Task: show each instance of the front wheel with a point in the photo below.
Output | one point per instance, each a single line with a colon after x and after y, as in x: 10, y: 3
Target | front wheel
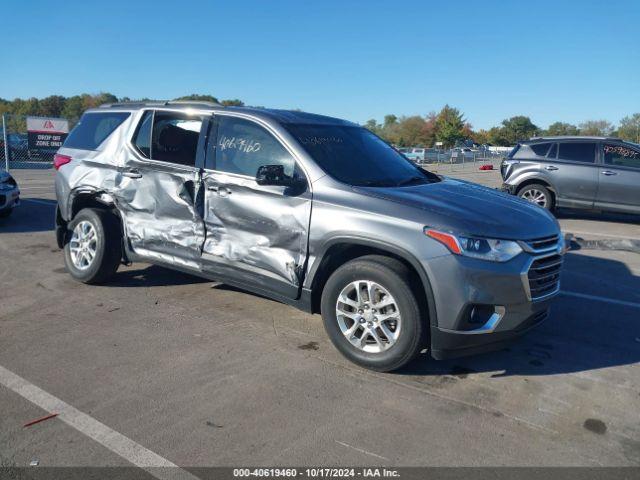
x: 371, y: 313
x: 538, y: 194
x: 93, y: 250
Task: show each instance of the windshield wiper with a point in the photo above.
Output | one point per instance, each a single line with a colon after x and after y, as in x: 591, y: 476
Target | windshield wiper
x: 410, y: 180
x: 374, y: 183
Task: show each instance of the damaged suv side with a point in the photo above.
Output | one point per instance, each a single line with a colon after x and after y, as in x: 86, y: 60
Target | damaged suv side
x: 312, y: 211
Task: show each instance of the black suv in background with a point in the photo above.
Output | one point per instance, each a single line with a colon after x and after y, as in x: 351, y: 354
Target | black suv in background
x: 576, y: 172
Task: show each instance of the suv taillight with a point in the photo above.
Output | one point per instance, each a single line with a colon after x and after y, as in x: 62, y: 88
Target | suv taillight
x: 60, y: 160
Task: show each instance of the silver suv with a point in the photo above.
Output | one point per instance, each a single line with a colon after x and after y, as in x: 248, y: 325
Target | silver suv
x: 576, y: 172
x: 312, y: 211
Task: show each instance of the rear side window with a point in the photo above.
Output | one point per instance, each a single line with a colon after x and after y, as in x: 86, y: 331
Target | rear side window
x: 584, y: 152
x: 540, y: 149
x: 93, y: 129
x: 174, y: 137
x: 142, y: 137
x: 621, y: 156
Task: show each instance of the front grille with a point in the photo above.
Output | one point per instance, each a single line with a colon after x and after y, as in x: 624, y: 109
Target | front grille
x: 544, y: 243
x: 544, y: 276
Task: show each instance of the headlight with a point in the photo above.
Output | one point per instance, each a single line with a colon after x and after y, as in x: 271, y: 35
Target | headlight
x: 494, y: 250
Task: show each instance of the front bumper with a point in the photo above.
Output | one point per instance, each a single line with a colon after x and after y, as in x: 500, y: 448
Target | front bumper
x: 9, y: 198
x: 482, y: 306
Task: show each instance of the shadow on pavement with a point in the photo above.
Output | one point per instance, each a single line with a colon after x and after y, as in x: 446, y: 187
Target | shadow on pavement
x: 566, y: 214
x: 581, y: 334
x: 32, y: 215
x: 152, y: 276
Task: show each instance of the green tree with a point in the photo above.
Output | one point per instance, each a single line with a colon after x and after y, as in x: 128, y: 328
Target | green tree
x: 232, y: 103
x: 561, y: 128
x: 374, y: 127
x: 411, y: 131
x: 629, y: 128
x: 599, y: 128
x: 199, y: 98
x: 496, y: 136
x: 52, y: 106
x: 449, y: 126
x: 517, y: 128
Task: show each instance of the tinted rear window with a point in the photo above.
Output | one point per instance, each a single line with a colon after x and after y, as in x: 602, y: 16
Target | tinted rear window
x: 540, y: 149
x: 93, y: 129
x: 578, y: 152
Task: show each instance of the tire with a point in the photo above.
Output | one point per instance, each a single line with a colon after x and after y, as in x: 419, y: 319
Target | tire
x: 540, y: 192
x: 6, y: 213
x: 106, y: 245
x: 395, y: 279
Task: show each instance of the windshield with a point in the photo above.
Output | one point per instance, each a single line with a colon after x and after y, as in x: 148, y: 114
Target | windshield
x: 355, y: 156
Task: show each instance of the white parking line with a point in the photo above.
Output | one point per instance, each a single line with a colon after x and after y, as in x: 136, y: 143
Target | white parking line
x: 131, y: 451
x: 600, y: 299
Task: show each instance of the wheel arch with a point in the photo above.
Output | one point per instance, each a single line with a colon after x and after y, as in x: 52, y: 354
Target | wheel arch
x: 82, y: 198
x: 539, y: 181
x: 339, y: 250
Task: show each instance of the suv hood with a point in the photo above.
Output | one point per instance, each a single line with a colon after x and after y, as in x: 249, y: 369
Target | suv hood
x: 469, y: 208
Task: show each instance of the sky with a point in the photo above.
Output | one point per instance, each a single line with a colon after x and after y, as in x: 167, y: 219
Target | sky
x: 550, y: 60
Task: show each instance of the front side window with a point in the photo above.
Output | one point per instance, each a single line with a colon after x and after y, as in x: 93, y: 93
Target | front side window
x: 583, y: 152
x: 355, y: 156
x: 621, y: 156
x: 174, y: 138
x: 244, y: 146
x: 553, y: 151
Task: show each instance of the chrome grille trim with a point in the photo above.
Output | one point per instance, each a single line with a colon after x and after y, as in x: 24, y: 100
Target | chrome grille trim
x: 541, y: 278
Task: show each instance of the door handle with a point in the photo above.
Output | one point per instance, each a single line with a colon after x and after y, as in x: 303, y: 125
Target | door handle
x: 550, y: 167
x: 213, y: 188
x: 131, y: 174
x: 608, y: 173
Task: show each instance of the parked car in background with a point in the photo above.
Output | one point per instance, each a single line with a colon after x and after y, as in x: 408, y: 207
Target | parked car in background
x: 313, y: 211
x: 18, y: 145
x: 576, y: 172
x: 9, y: 194
x: 463, y: 152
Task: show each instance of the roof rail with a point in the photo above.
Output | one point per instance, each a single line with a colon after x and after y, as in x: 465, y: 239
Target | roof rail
x: 573, y: 137
x: 192, y: 103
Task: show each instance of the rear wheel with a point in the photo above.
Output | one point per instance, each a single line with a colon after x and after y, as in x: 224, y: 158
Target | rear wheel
x: 371, y: 313
x: 93, y: 250
x: 538, y: 194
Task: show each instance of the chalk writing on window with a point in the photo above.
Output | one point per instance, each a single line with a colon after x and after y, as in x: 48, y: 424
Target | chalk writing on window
x: 622, y: 151
x: 241, y: 144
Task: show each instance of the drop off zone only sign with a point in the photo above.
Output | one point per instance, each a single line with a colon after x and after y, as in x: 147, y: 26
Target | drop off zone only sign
x: 46, y: 133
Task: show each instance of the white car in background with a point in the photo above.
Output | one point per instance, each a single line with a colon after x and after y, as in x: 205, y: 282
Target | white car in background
x: 9, y: 194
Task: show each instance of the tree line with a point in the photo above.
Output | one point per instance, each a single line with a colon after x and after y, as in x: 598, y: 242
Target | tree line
x: 72, y: 108
x: 447, y: 126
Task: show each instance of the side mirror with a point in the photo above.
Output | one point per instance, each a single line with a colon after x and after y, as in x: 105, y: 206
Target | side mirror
x: 274, y: 175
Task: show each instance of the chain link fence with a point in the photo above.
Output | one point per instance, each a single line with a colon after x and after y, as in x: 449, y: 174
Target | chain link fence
x: 449, y: 162
x: 22, y: 147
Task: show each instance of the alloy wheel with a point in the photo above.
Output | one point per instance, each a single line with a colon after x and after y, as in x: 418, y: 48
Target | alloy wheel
x: 368, y: 316
x: 534, y: 195
x: 83, y: 245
